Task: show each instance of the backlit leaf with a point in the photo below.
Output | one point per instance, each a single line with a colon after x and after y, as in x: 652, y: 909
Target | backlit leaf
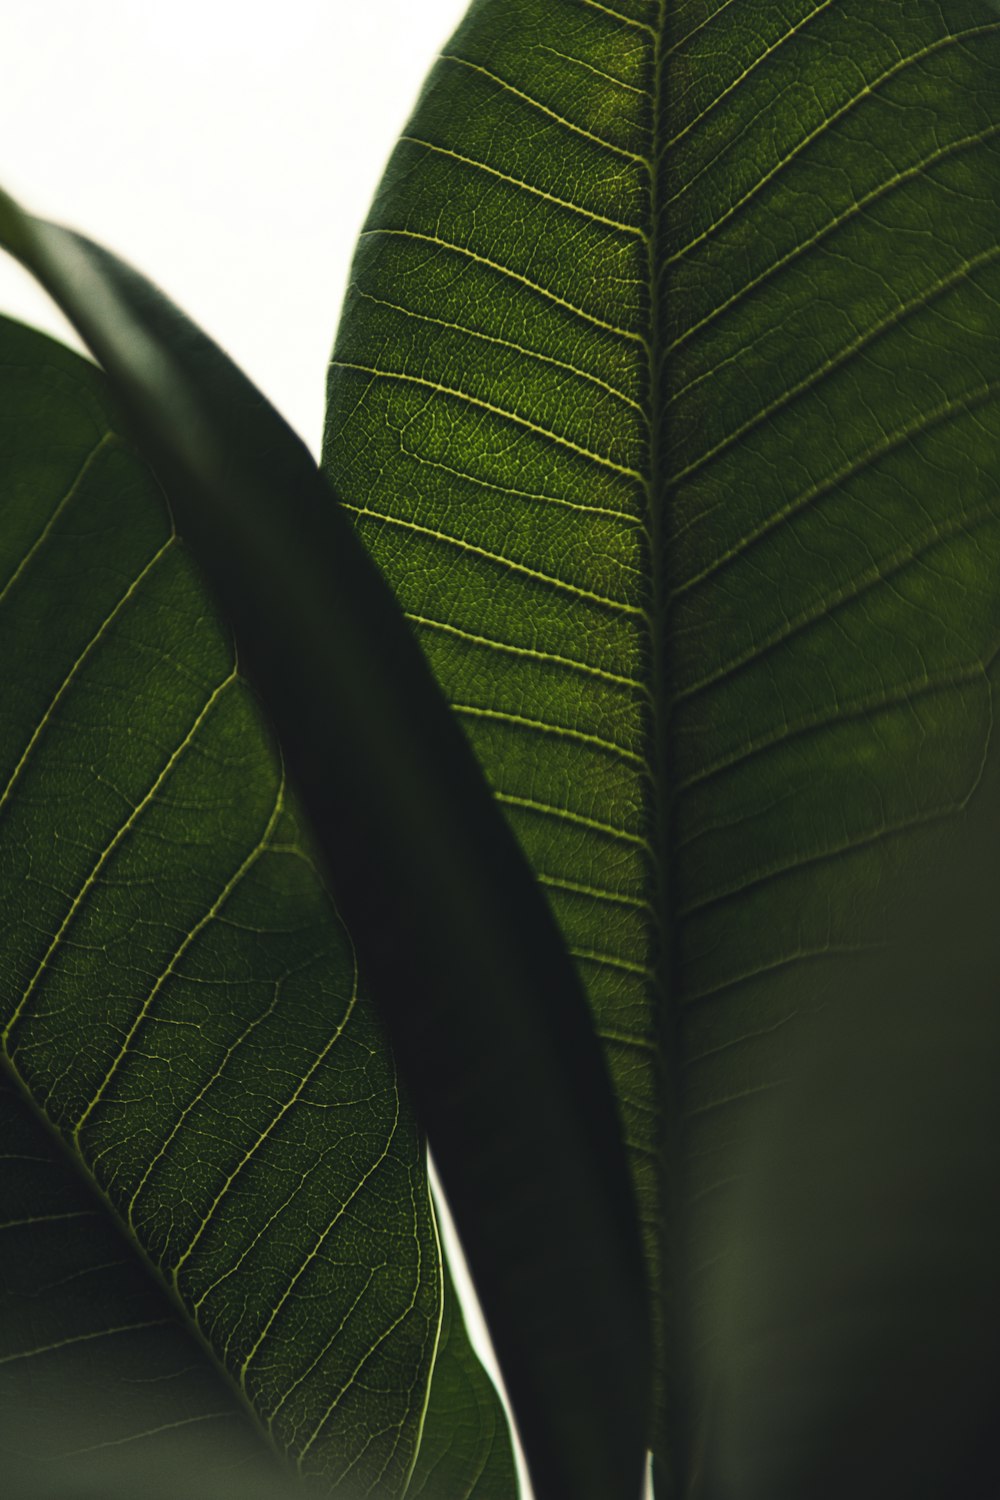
x: 666, y: 397
x: 181, y: 1010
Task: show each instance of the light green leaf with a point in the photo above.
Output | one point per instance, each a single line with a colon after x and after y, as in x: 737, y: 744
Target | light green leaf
x: 181, y: 1022
x: 665, y: 396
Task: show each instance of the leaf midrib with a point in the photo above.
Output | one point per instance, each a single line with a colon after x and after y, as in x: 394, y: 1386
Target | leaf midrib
x: 674, y: 1431
x: 670, y: 1421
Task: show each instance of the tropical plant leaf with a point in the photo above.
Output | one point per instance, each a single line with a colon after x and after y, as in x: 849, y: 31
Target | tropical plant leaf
x: 182, y: 1018
x: 440, y: 900
x: 665, y: 397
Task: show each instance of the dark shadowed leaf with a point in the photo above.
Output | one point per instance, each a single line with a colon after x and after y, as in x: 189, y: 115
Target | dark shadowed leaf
x: 485, y: 1010
x: 207, y: 1154
x: 857, y: 1314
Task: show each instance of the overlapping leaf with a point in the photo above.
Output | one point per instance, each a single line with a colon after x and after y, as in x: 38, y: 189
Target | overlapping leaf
x: 181, y: 1014
x: 666, y: 397
x: 440, y: 899
x: 103, y: 1391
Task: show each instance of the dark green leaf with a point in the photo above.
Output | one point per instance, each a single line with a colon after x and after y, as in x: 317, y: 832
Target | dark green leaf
x: 435, y: 890
x: 665, y: 397
x: 465, y: 1449
x: 857, y: 1313
x: 180, y: 1004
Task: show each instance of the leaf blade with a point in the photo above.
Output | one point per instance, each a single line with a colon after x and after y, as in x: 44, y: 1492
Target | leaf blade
x: 496, y: 468
x: 830, y: 450
x: 186, y: 1028
x: 416, y: 822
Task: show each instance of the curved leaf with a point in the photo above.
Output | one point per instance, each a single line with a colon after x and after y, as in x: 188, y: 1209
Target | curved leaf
x: 465, y: 1447
x: 435, y: 890
x: 180, y: 1002
x: 665, y: 396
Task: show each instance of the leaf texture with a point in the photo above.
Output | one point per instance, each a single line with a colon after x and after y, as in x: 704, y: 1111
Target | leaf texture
x: 665, y: 395
x: 180, y: 1002
x: 102, y: 1389
x: 440, y: 899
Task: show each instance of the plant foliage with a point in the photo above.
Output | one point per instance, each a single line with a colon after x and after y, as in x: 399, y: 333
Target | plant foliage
x: 664, y: 401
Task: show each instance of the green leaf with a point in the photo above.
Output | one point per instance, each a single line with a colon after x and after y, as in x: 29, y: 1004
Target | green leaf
x: 103, y: 1392
x: 858, y: 1314
x: 207, y: 1163
x: 465, y: 1447
x: 665, y: 396
x: 439, y: 900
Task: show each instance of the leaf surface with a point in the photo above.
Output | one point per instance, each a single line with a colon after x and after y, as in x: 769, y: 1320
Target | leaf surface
x: 181, y: 1014
x: 665, y: 395
x: 440, y: 901
x: 102, y: 1390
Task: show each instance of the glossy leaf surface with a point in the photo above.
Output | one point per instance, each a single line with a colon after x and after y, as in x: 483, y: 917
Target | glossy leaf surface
x: 182, y: 1029
x: 666, y: 398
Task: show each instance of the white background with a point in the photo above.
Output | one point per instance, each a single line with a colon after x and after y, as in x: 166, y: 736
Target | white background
x: 227, y: 148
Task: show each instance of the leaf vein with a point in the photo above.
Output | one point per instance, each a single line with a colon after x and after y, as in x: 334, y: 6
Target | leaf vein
x: 578, y: 591
x: 532, y: 286
x: 527, y: 187
x: 544, y: 109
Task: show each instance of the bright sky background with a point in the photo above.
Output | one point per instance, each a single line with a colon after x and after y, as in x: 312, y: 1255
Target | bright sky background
x: 227, y: 148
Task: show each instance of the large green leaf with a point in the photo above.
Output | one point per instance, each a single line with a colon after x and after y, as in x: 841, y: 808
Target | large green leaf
x: 440, y: 900
x: 215, y: 1198
x: 665, y: 396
